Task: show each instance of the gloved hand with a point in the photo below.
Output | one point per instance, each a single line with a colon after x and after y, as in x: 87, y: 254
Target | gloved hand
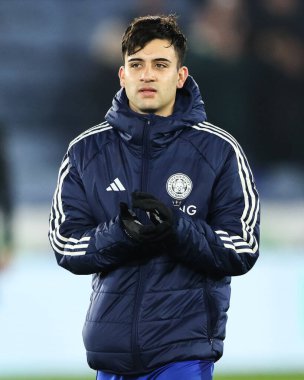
x: 132, y: 226
x: 160, y: 215
x: 157, y: 211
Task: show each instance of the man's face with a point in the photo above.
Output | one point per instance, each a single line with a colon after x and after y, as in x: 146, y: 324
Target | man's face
x: 151, y: 77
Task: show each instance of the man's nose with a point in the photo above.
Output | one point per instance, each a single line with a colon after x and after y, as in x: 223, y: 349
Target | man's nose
x: 147, y: 74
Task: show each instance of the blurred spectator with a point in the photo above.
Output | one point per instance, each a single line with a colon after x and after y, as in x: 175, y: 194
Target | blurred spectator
x: 217, y: 60
x: 89, y: 87
x: 219, y: 29
x: 5, y: 205
x: 277, y: 51
x: 106, y: 56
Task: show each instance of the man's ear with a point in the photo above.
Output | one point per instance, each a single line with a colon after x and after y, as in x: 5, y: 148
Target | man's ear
x: 182, y: 76
x: 121, y: 75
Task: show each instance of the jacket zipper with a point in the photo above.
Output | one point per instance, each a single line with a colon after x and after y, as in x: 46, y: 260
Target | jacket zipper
x: 145, y: 156
x: 141, y: 268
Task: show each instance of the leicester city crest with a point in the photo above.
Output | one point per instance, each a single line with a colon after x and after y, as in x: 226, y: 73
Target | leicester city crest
x: 179, y: 186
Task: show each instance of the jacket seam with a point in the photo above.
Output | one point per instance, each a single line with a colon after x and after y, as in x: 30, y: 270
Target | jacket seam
x: 200, y: 153
x: 92, y: 158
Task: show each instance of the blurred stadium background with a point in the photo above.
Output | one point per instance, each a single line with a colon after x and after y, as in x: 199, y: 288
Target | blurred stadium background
x: 59, y: 60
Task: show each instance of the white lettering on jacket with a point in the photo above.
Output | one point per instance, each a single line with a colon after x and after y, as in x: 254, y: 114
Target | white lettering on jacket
x: 190, y: 210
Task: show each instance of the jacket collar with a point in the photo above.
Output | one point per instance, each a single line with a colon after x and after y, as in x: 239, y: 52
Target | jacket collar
x: 188, y: 110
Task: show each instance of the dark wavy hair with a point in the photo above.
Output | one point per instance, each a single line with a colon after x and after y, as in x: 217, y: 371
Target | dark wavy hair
x: 144, y: 29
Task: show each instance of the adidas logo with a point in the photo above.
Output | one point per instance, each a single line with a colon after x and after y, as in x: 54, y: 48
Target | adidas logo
x: 116, y: 185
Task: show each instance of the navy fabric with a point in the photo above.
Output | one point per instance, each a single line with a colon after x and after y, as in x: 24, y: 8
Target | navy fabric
x: 188, y: 370
x: 155, y: 304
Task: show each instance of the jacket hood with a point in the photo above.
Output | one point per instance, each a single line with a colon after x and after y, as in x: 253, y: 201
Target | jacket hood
x: 188, y: 110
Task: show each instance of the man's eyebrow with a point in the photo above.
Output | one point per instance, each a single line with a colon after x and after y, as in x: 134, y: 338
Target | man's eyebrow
x: 155, y: 60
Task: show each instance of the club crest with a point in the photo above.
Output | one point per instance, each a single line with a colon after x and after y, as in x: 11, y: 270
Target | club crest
x: 179, y: 186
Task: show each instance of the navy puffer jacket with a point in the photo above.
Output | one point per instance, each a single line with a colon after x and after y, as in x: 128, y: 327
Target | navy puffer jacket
x: 153, y: 305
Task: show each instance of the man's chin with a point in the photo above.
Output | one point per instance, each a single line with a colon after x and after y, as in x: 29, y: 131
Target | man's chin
x: 148, y: 110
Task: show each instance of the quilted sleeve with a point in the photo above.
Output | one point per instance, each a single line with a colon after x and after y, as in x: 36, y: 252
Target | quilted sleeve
x: 80, y: 244
x: 227, y: 243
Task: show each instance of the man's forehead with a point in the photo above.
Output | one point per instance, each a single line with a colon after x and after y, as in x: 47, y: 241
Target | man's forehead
x: 153, y: 50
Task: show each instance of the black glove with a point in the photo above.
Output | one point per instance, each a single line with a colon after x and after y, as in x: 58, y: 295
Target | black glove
x: 132, y: 226
x: 160, y: 215
x: 157, y: 211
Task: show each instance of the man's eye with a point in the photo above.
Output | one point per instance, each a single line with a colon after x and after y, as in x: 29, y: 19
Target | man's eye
x: 161, y: 65
x: 135, y: 65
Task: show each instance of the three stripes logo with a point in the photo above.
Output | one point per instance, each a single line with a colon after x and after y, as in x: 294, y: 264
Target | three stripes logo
x: 116, y: 185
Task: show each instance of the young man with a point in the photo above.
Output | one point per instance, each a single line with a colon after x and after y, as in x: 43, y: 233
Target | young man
x: 161, y: 207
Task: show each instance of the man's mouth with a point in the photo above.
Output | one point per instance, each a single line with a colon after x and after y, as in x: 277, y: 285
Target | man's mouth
x: 147, y: 91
